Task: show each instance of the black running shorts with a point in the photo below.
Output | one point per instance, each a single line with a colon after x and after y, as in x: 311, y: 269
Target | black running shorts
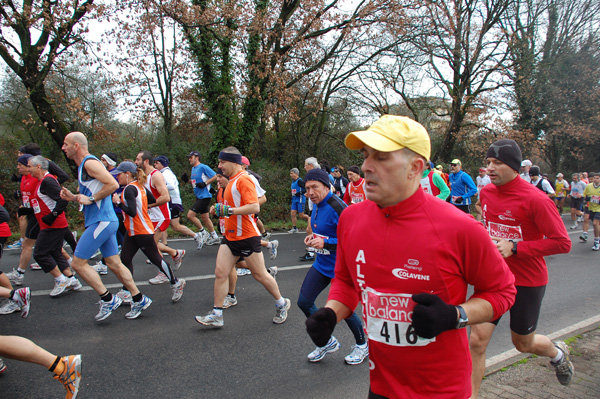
x: 244, y: 247
x: 525, y: 313
x: 201, y: 205
x: 577, y: 203
x: 33, y: 228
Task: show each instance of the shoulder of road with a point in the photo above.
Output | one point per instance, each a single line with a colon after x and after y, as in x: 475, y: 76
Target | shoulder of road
x: 513, y: 375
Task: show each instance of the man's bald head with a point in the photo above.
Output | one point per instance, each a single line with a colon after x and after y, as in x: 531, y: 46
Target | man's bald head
x: 77, y: 138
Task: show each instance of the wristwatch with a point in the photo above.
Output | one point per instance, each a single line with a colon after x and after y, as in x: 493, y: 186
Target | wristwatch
x: 463, y: 319
x: 230, y: 211
x: 54, y: 213
x: 92, y: 199
x: 514, y: 248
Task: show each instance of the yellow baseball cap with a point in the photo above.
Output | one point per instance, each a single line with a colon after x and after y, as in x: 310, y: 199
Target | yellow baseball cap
x: 391, y: 133
x: 456, y: 161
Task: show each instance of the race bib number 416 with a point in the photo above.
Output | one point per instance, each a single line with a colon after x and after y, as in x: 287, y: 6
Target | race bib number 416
x: 389, y: 318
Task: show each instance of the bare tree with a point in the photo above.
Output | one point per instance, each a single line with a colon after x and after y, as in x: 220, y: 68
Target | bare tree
x: 35, y: 33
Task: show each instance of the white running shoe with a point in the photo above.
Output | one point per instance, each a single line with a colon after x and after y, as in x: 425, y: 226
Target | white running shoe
x: 596, y: 246
x: 273, y: 249
x: 210, y: 319
x: 293, y: 230
x: 282, y: 312
x: 177, y: 290
x: 199, y: 242
x: 98, y: 253
x: 229, y: 302
x: 137, y: 307
x: 106, y: 308
x: 178, y: 259
x: 205, y: 235
x: 358, y: 354
x: 213, y: 240
x: 35, y: 266
x: 124, y: 295
x: 60, y: 287
x: 15, y: 245
x: 100, y: 268
x: 16, y: 277
x: 74, y: 284
x: 273, y: 271
x: 24, y: 300
x: 574, y: 226
x: 267, y: 236
x: 9, y: 307
x: 242, y: 271
x: 159, y: 279
x: 319, y: 353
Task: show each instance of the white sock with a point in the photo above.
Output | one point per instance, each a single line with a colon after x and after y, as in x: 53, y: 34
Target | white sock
x: 60, y: 278
x: 214, y: 234
x: 20, y: 270
x: 558, y: 357
x: 218, y: 312
x: 280, y: 302
x: 270, y: 245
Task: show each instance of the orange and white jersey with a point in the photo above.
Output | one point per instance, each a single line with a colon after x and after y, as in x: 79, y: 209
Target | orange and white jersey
x: 240, y: 191
x: 140, y: 224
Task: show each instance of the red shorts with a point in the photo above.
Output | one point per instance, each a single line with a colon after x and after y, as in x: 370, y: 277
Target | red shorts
x: 161, y: 225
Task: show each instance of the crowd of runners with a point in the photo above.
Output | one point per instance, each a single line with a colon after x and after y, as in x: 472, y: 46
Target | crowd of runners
x: 414, y: 304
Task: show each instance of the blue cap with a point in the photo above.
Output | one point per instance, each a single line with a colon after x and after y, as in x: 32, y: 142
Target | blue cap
x: 162, y: 159
x: 126, y: 166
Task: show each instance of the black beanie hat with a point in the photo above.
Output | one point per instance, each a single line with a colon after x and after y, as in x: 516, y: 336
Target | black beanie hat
x: 318, y: 175
x: 354, y: 169
x: 507, y: 151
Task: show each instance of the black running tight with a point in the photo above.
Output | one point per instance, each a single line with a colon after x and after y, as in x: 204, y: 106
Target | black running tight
x: 146, y: 243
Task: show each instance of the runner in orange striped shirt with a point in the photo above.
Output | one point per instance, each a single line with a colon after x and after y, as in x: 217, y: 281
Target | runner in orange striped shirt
x: 242, y: 238
x: 140, y: 231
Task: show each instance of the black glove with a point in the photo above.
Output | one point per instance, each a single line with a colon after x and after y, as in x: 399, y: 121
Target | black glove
x: 185, y: 178
x: 17, y: 194
x: 24, y: 211
x: 320, y: 326
x: 432, y: 316
x: 15, y: 178
x: 459, y: 200
x: 49, y: 219
x: 200, y: 184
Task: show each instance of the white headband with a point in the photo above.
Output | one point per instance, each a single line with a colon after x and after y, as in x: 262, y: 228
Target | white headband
x: 108, y: 160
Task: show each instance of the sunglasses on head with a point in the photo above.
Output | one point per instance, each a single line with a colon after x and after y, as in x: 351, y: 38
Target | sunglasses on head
x: 453, y: 164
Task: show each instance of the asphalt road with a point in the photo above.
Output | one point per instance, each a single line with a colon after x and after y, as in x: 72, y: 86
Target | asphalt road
x: 165, y: 353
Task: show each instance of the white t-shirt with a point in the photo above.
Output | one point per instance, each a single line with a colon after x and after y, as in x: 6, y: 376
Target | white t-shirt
x: 482, y: 182
x: 172, y: 185
x: 545, y: 185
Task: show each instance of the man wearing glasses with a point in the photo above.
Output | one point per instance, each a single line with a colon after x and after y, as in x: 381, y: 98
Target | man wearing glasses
x: 462, y: 187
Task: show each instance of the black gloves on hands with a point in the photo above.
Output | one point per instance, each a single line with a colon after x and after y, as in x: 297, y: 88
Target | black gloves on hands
x: 201, y: 184
x: 15, y: 178
x: 432, y: 316
x: 17, y: 194
x: 24, y: 211
x: 49, y: 219
x: 320, y: 326
x: 185, y: 178
x: 459, y: 200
